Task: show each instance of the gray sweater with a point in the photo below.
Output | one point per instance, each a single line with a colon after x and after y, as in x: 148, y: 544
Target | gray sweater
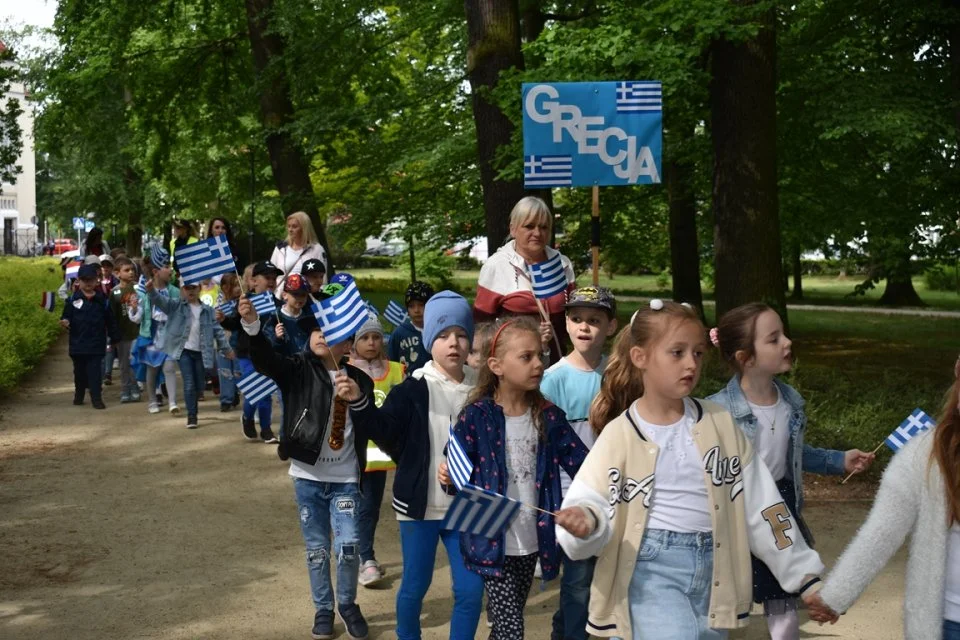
x: 911, y: 499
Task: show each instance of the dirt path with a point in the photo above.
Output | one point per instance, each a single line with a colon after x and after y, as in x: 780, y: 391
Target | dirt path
x: 117, y: 524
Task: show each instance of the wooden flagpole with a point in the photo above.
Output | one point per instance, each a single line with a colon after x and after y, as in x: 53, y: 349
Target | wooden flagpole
x: 595, y: 235
x: 850, y: 475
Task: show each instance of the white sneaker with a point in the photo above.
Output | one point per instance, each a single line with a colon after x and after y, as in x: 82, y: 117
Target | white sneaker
x: 370, y: 574
x: 174, y: 409
x: 153, y: 408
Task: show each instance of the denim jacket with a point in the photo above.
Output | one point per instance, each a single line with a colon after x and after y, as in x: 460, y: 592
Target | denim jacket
x: 481, y: 426
x: 800, y: 456
x: 178, y: 327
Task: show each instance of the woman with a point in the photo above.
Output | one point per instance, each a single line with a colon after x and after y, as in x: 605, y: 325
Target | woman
x: 184, y: 233
x: 94, y: 245
x: 504, y: 287
x: 221, y: 227
x: 301, y: 245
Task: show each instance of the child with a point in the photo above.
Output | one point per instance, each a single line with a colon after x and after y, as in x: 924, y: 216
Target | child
x: 316, y: 274
x: 770, y: 413
x: 517, y: 442
x: 482, y: 335
x: 228, y: 370
x: 675, y: 479
x: 87, y: 317
x: 287, y: 336
x: 406, y: 342
x: 368, y: 357
x: 265, y: 275
x: 148, y: 349
x: 918, y: 496
x: 109, y: 279
x: 326, y: 454
x: 123, y: 299
x: 413, y: 426
x: 572, y: 384
x: 209, y: 292
x: 190, y: 335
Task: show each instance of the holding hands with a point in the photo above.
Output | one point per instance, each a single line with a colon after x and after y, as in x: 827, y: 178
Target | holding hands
x: 818, y: 610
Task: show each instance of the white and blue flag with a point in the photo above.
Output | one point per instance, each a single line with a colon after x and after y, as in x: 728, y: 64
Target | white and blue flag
x: 341, y: 315
x: 548, y: 278
x: 639, y: 96
x: 372, y: 308
x: 141, y: 286
x: 459, y: 464
x: 263, y: 303
x: 480, y: 512
x: 916, y: 422
x: 547, y: 171
x: 204, y: 259
x: 395, y: 314
x: 256, y: 386
x: 227, y: 308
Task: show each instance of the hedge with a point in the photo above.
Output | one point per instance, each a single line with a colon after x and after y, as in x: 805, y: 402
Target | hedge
x: 26, y: 329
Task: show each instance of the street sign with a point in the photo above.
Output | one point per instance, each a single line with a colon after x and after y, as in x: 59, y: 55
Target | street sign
x: 79, y: 224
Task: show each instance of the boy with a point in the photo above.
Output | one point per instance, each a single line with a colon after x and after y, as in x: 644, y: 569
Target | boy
x: 571, y: 384
x: 406, y: 342
x: 87, y: 317
x: 148, y: 350
x: 326, y: 457
x: 265, y: 275
x: 122, y: 298
x: 288, y: 336
x: 316, y: 274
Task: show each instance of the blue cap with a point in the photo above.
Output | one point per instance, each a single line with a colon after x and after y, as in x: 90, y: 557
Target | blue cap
x: 88, y: 272
x: 446, y: 309
x: 159, y: 257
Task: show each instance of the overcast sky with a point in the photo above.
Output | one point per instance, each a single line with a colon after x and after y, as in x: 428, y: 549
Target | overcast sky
x: 16, y: 13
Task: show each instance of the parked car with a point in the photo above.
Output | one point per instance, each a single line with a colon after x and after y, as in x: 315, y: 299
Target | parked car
x: 62, y: 245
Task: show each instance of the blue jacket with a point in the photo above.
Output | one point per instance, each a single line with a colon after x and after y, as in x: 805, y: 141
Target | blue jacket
x: 90, y: 323
x: 481, y: 426
x: 406, y: 347
x: 294, y: 340
x: 179, y: 318
x: 800, y: 456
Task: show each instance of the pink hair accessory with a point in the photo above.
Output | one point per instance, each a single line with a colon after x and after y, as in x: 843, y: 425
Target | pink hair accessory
x: 715, y: 337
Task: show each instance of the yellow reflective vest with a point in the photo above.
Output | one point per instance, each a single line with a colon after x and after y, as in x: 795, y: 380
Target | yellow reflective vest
x: 377, y: 460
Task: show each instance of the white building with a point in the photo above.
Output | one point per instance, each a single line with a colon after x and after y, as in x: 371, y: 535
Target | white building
x: 18, y: 201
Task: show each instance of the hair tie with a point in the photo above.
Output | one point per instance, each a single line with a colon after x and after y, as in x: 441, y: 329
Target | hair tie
x: 496, y: 336
x: 656, y: 304
x: 715, y: 337
x: 687, y: 305
x: 634, y: 316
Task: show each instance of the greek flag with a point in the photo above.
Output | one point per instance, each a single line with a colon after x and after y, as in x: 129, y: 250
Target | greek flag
x: 395, y: 314
x: 263, y: 303
x: 342, y: 315
x: 547, y: 171
x: 458, y: 462
x: 49, y: 301
x: 227, y: 308
x: 141, y: 286
x: 548, y: 278
x: 372, y: 308
x: 639, y: 96
x: 256, y: 386
x: 480, y: 512
x: 916, y: 422
x: 204, y: 259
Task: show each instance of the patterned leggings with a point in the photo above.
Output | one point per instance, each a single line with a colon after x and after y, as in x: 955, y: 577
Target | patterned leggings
x: 507, y: 596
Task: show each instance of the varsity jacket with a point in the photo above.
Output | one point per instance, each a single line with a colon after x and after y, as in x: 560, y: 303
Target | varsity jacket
x: 480, y: 431
x: 616, y: 484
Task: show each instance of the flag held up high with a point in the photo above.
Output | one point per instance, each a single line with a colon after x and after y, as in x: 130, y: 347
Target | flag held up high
x: 480, y: 512
x: 916, y: 422
x: 205, y: 259
x: 548, y: 278
x: 262, y: 303
x: 341, y: 315
x: 395, y: 314
x: 256, y: 386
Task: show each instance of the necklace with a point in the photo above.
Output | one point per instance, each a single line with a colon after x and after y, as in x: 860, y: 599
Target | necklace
x: 766, y: 413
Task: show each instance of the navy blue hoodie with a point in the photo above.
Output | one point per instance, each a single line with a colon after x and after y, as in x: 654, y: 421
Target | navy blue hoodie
x: 406, y: 346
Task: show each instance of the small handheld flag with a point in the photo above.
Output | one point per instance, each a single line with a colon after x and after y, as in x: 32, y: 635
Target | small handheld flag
x: 458, y: 462
x: 373, y: 309
x: 480, y: 512
x: 73, y: 269
x: 916, y: 422
x: 205, y: 259
x: 256, y: 386
x: 141, y: 286
x: 341, y: 315
x: 395, y: 314
x: 263, y: 303
x: 548, y: 278
x: 49, y: 301
x: 227, y: 308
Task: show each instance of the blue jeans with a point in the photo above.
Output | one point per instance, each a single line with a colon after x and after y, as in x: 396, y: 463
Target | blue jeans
x: 418, y: 543
x: 570, y: 620
x: 264, y: 407
x: 228, y: 372
x: 194, y: 378
x: 670, y: 589
x: 951, y: 630
x: 373, y: 485
x: 329, y: 509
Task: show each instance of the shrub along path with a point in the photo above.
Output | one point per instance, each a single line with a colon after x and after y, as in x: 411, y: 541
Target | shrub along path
x: 117, y: 524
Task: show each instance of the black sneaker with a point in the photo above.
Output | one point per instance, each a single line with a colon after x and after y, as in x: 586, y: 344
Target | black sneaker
x: 191, y: 422
x: 225, y: 408
x: 249, y: 428
x: 267, y: 436
x: 77, y: 398
x: 322, y: 626
x: 354, y: 621
x: 98, y: 404
x: 107, y: 380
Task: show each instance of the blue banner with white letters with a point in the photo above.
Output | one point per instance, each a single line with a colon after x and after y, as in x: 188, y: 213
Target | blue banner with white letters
x: 579, y: 134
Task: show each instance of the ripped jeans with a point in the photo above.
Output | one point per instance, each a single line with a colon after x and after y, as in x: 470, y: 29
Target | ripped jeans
x: 329, y: 510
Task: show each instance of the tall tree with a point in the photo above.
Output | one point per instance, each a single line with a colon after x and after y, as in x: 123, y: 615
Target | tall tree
x: 11, y: 137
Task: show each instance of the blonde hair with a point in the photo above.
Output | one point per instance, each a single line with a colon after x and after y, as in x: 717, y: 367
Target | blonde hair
x: 308, y: 235
x: 623, y: 382
x: 531, y: 207
x: 229, y: 283
x: 497, y: 347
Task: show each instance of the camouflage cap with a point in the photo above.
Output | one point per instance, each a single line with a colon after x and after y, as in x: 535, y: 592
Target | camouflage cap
x: 595, y: 297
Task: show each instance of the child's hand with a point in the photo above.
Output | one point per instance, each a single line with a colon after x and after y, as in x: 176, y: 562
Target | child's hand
x: 230, y: 355
x: 546, y: 333
x: 279, y: 331
x: 132, y: 302
x: 818, y: 610
x: 347, y: 388
x: 148, y: 285
x: 443, y: 475
x: 577, y: 521
x: 65, y: 323
x: 246, y: 310
x: 218, y: 315
x: 856, y: 461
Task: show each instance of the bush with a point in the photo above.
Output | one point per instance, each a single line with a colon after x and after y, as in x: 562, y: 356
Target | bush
x: 26, y: 329
x: 941, y: 277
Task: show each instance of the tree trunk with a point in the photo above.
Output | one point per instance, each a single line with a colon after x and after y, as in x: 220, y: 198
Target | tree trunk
x: 797, y: 274
x: 291, y: 169
x: 684, y: 243
x: 493, y: 33
x: 743, y: 125
x: 134, y: 217
x: 899, y: 292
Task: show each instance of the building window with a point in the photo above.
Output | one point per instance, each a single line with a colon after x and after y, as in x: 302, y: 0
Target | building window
x: 8, y: 203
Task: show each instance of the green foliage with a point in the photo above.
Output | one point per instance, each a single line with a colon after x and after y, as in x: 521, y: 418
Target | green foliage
x: 942, y: 277
x: 26, y: 329
x: 11, y: 135
x: 433, y: 266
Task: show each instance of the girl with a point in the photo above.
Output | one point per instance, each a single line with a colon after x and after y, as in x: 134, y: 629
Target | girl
x: 413, y: 426
x: 517, y: 442
x: 919, y: 495
x: 671, y: 498
x: 228, y: 370
x: 770, y: 413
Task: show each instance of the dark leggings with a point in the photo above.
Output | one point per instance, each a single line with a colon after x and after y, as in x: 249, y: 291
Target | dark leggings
x: 507, y: 596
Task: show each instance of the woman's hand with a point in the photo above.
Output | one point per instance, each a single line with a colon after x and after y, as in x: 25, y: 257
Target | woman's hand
x: 856, y: 461
x: 546, y: 333
x: 246, y: 310
x: 347, y: 388
x: 443, y: 475
x: 818, y: 610
x: 577, y: 521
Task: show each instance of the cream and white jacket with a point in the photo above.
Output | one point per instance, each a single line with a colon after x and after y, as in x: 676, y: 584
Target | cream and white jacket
x: 616, y: 483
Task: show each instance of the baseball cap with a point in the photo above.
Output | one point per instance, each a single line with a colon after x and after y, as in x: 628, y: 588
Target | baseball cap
x: 88, y: 272
x: 420, y: 291
x: 296, y: 283
x: 91, y: 259
x: 265, y: 267
x: 313, y: 266
x: 106, y: 258
x: 593, y: 297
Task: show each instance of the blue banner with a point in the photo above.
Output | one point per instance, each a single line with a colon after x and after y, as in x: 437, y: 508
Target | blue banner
x: 579, y: 134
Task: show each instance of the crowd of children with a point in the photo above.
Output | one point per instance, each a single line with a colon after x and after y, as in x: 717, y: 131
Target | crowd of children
x: 667, y: 516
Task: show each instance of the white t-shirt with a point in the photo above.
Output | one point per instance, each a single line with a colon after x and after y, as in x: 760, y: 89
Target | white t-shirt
x: 193, y: 335
x: 773, y: 435
x: 679, y: 501
x: 951, y: 591
x: 521, y: 449
x: 333, y: 465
